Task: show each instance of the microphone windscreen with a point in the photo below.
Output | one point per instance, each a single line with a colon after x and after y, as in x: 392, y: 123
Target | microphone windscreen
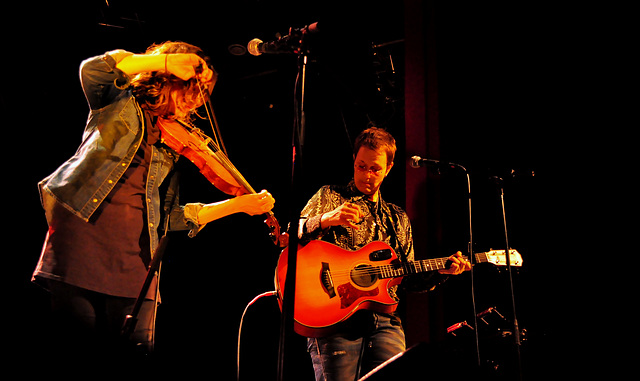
x: 252, y: 47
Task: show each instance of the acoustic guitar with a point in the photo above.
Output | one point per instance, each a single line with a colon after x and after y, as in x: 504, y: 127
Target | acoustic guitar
x: 333, y: 283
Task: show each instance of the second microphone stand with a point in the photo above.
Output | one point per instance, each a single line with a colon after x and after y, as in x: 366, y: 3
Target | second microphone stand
x: 441, y: 165
x: 516, y: 328
x: 472, y: 260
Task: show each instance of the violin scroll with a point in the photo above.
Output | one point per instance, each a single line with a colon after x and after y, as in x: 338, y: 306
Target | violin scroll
x: 279, y: 239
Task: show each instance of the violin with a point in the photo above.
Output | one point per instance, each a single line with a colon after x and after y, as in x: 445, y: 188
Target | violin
x: 195, y: 145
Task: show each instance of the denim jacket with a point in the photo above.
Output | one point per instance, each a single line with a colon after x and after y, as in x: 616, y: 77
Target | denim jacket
x: 113, y: 133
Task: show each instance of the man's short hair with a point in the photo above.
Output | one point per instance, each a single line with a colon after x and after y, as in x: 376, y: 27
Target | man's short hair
x: 376, y: 139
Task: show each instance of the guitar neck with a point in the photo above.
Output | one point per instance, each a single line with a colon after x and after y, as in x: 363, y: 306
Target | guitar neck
x: 421, y: 266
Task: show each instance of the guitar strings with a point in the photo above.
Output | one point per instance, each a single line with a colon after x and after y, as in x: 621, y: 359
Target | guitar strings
x: 392, y: 268
x: 432, y: 264
x: 400, y: 269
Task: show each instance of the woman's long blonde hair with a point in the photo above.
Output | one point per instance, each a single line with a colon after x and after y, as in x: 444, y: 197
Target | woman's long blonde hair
x: 153, y: 89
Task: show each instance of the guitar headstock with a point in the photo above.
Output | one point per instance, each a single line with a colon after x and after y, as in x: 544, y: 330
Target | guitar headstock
x: 498, y: 257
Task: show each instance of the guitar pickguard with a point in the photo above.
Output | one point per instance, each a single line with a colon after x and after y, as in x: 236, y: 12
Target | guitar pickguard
x: 349, y: 294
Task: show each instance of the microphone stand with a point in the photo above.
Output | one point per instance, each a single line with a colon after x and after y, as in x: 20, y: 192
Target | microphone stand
x: 131, y: 320
x: 472, y: 259
x: 516, y: 328
x: 298, y: 135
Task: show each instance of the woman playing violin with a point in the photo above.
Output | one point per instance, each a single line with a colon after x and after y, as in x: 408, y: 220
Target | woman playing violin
x: 105, y: 205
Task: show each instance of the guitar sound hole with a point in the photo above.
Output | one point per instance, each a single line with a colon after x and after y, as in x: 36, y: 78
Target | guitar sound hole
x: 363, y: 275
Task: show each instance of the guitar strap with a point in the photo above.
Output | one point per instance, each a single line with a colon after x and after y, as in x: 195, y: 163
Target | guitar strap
x: 387, y: 219
x: 394, y: 236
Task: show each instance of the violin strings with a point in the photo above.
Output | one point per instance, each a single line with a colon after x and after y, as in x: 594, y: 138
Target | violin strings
x: 221, y: 157
x: 214, y: 151
x: 215, y: 145
x: 224, y: 160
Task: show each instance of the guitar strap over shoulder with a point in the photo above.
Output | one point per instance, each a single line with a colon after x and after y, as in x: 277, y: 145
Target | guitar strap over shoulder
x: 394, y: 235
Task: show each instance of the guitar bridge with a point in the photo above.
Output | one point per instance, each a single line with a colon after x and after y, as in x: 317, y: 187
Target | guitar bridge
x: 327, y: 281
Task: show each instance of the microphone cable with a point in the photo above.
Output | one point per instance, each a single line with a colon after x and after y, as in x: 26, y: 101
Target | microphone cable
x: 268, y: 293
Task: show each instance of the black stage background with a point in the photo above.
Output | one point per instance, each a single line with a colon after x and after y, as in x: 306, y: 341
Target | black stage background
x: 502, y: 105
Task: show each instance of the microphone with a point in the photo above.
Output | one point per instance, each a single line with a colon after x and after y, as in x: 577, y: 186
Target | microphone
x: 288, y: 44
x: 417, y: 161
x: 257, y: 47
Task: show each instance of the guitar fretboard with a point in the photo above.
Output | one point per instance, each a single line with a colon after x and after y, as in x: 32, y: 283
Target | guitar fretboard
x: 416, y: 267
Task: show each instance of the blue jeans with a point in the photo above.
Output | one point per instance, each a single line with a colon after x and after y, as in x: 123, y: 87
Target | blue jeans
x: 365, y: 343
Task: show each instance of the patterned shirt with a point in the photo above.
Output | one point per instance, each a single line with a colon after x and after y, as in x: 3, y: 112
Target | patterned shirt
x: 383, y: 221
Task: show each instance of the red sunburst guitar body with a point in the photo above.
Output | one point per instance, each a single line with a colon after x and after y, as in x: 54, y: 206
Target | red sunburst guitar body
x: 325, y: 294
x: 333, y: 283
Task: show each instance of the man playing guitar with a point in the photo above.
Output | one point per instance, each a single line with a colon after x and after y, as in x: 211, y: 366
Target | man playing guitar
x: 351, y: 217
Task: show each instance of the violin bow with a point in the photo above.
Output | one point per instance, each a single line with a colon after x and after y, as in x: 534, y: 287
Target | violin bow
x: 211, y: 116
